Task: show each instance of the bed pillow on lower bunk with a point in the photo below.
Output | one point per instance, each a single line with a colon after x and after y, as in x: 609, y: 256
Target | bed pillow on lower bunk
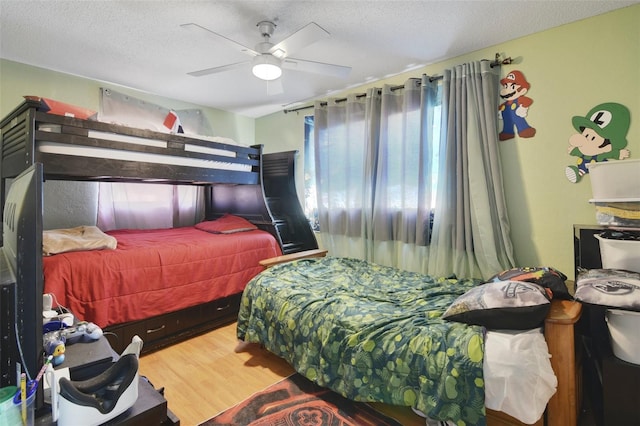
x: 614, y: 288
x: 79, y: 238
x: 542, y: 275
x: 509, y: 305
x: 227, y: 224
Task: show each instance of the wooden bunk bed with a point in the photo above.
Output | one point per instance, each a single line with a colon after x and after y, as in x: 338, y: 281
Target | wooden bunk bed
x: 86, y: 150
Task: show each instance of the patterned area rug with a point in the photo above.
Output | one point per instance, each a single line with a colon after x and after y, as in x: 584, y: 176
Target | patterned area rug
x: 295, y: 401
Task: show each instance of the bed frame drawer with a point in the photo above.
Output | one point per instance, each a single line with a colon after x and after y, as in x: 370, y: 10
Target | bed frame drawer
x: 153, y: 329
x: 160, y: 331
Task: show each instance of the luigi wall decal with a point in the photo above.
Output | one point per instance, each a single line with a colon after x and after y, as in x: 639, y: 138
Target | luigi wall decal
x: 602, y: 136
x: 514, y: 111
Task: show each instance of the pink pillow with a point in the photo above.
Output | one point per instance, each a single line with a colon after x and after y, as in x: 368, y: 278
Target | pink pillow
x: 227, y: 224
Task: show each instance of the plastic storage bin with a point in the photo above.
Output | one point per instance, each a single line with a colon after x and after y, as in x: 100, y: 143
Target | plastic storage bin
x: 625, y: 338
x: 615, y: 180
x: 619, y: 253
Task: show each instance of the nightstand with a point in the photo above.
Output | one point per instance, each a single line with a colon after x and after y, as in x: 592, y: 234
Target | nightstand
x: 86, y: 360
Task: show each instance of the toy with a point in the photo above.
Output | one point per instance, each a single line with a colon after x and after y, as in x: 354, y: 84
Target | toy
x: 82, y: 332
x: 516, y: 107
x: 54, y: 346
x: 602, y: 136
x: 54, y: 325
x: 56, y: 340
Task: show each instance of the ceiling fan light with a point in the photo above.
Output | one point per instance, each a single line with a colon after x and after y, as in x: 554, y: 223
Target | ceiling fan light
x: 266, y: 67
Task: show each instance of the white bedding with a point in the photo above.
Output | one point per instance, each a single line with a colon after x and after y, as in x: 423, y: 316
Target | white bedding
x: 518, y: 377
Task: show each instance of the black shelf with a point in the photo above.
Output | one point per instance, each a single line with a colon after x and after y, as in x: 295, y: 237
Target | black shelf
x: 611, y: 387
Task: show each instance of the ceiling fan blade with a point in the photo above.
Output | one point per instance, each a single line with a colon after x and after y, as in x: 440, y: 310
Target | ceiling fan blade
x: 208, y: 33
x: 308, y: 34
x: 216, y: 70
x: 316, y: 67
x: 274, y: 87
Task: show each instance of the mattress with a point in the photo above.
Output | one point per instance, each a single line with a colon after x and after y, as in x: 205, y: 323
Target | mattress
x: 152, y: 272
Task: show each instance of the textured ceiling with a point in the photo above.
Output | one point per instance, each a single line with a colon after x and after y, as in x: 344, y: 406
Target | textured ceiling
x: 139, y: 44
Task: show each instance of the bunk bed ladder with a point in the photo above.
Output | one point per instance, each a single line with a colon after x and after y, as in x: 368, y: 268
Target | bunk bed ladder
x: 292, y: 226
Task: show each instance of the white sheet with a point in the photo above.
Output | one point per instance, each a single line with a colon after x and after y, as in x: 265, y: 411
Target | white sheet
x: 518, y: 377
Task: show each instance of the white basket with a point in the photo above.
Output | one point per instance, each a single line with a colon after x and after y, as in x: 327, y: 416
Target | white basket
x: 615, y: 180
x: 619, y: 254
x: 625, y: 338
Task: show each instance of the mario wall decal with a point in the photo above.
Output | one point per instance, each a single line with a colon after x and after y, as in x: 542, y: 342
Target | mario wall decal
x: 602, y: 135
x: 516, y: 107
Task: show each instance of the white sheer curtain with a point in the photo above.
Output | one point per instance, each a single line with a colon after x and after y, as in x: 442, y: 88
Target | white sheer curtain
x: 402, y: 170
x: 379, y: 158
x: 340, y: 145
x: 148, y: 206
x: 374, y: 162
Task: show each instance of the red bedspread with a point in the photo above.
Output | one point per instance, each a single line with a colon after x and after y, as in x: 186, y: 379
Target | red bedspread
x: 153, y: 272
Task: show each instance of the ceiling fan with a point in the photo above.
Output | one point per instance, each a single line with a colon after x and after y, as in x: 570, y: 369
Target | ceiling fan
x: 269, y: 59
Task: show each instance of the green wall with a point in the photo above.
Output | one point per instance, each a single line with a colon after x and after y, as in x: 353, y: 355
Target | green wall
x: 571, y: 69
x: 18, y: 80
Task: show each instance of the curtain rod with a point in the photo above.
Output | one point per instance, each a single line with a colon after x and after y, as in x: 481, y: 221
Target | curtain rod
x: 495, y: 63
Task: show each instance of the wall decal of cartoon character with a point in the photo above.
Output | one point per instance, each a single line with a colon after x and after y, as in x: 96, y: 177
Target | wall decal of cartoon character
x: 516, y: 107
x: 602, y: 135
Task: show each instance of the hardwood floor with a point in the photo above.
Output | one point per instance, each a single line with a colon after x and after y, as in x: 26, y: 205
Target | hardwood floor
x: 212, y: 372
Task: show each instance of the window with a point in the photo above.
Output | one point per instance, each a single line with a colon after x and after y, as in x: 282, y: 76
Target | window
x: 402, y: 192
x: 375, y: 160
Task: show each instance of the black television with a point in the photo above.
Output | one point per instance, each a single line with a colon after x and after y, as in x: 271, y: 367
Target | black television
x: 22, y: 277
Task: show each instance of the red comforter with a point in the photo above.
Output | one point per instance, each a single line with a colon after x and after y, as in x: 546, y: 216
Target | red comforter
x: 153, y: 272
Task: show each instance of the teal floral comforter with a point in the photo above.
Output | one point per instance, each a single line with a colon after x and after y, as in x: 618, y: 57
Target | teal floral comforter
x: 370, y: 333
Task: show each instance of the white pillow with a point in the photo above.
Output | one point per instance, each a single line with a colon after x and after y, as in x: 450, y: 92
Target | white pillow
x: 609, y: 287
